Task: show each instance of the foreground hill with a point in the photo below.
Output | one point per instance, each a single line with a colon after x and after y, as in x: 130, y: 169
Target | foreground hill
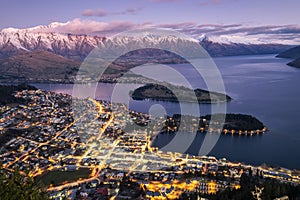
x: 44, y: 66
x: 7, y: 93
x: 38, y: 66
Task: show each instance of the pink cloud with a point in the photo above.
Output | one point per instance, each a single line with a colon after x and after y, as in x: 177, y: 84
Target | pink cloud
x: 102, y: 13
x: 288, y: 34
x: 90, y: 27
x: 132, y: 10
x: 98, y: 13
x: 93, y: 27
x: 178, y: 25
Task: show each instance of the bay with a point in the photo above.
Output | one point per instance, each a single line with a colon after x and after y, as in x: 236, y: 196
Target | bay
x: 262, y: 86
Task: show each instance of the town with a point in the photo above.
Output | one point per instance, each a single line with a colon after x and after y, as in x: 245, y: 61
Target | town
x: 91, y: 149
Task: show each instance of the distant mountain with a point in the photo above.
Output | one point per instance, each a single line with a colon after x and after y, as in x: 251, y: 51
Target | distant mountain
x: 38, y: 66
x: 234, y: 49
x: 293, y: 53
x: 35, y: 55
x: 77, y: 47
x: 290, y: 53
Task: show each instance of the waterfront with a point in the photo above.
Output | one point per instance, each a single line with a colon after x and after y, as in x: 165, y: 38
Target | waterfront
x: 262, y: 86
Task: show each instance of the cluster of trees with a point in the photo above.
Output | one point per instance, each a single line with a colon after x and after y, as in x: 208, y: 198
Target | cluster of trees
x: 6, y: 93
x: 10, y: 134
x: 232, y: 122
x: 154, y: 91
x: 130, y: 188
x: 272, y: 189
x: 238, y: 121
x: 16, y: 185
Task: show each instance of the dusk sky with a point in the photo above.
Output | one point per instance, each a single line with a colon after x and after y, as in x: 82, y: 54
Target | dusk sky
x: 212, y: 17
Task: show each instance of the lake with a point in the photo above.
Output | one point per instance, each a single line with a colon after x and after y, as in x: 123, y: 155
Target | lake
x: 262, y: 86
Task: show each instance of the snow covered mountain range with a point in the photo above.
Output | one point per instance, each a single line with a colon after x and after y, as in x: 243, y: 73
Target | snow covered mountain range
x: 77, y: 47
x: 47, y: 54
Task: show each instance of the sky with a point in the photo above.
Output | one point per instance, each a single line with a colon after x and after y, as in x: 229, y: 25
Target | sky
x: 234, y: 18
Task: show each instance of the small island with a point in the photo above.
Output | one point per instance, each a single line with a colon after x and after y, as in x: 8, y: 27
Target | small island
x: 166, y: 92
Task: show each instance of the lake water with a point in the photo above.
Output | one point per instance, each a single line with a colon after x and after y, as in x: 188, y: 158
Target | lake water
x: 263, y: 86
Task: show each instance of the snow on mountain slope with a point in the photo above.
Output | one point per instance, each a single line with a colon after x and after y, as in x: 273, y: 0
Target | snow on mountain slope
x: 72, y: 46
x: 77, y: 47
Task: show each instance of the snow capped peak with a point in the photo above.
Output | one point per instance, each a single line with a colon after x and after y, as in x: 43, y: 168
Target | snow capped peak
x: 231, y: 39
x: 61, y: 29
x: 10, y: 30
x: 43, y: 28
x: 202, y: 37
x: 149, y: 35
x: 56, y: 24
x: 36, y: 29
x: 77, y: 46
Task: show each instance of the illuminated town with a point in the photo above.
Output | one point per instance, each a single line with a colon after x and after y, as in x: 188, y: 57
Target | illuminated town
x: 83, y: 149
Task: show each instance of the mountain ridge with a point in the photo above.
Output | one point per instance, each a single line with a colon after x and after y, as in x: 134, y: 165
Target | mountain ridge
x: 78, y: 46
x: 295, y: 63
x: 292, y: 53
x: 27, y: 53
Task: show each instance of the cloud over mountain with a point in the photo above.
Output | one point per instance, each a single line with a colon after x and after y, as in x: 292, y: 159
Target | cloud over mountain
x: 284, y: 34
x: 103, y: 13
